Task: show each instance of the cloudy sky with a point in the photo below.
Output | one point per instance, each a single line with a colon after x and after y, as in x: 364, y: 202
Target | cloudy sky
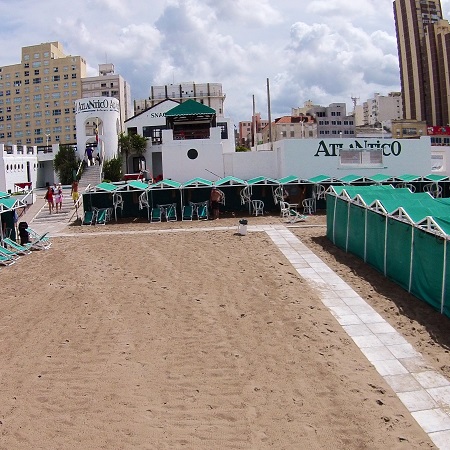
x: 320, y: 50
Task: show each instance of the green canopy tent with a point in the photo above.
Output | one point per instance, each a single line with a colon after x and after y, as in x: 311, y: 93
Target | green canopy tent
x: 258, y: 187
x: 196, y: 190
x: 402, y: 234
x: 233, y: 185
x: 165, y: 192
x: 133, y: 198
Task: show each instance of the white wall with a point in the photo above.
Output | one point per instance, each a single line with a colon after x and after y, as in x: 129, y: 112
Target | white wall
x: 310, y: 157
x: 13, y: 167
x: 177, y: 165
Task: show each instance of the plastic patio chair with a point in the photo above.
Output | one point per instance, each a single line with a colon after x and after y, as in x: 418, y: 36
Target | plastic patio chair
x: 308, y: 206
x: 258, y: 207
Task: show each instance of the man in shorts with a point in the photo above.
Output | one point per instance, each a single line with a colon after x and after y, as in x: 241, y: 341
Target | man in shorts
x: 215, y: 199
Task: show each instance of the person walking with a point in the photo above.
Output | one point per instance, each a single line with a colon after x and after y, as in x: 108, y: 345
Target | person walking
x: 58, y: 195
x: 49, y: 198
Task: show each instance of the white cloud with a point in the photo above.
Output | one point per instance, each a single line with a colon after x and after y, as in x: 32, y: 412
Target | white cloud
x: 324, y: 50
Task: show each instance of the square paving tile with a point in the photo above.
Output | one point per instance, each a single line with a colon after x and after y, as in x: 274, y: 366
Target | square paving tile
x: 372, y: 317
x: 377, y: 353
x: 432, y: 420
x: 381, y: 327
x: 349, y: 319
x: 367, y: 341
x: 417, y: 400
x: 441, y: 439
x: 441, y: 395
x: 403, y: 351
x: 392, y: 367
x: 431, y: 379
x: 357, y: 330
x: 406, y: 383
x: 392, y: 339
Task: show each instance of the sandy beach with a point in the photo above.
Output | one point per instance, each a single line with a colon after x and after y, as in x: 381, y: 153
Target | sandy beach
x: 116, y: 338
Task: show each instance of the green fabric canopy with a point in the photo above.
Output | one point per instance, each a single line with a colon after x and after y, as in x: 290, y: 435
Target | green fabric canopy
x: 190, y: 108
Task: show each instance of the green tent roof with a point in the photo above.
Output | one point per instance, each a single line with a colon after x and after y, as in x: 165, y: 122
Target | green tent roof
x: 108, y: 187
x: 289, y: 179
x: 230, y: 180
x: 198, y: 182
x: 379, y: 177
x: 166, y: 183
x: 320, y: 179
x: 4, y: 194
x: 351, y: 178
x: 262, y: 180
x: 135, y: 184
x: 435, y: 177
x: 408, y: 177
x: 7, y: 203
x: 416, y: 206
x: 190, y: 108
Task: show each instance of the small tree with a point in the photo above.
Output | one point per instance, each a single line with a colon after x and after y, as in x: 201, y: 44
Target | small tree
x: 112, y: 169
x: 241, y: 148
x: 132, y: 144
x: 66, y: 163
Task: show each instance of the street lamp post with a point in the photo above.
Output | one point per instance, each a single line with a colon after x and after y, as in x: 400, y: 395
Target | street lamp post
x: 48, y: 137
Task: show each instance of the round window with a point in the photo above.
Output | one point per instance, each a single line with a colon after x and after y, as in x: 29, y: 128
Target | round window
x: 192, y: 153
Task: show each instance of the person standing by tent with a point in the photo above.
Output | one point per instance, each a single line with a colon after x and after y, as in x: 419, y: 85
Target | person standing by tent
x: 215, y: 198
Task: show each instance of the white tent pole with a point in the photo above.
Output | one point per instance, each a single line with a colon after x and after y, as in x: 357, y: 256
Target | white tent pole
x: 348, y: 224
x: 444, y: 269
x: 411, y: 260
x: 334, y: 219
x: 385, y: 245
x: 365, y: 234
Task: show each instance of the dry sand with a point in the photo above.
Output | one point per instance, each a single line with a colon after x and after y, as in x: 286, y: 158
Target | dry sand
x: 196, y: 340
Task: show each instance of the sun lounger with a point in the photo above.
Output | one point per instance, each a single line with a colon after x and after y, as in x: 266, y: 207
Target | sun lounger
x: 171, y: 213
x: 202, y: 212
x: 188, y: 212
x: 40, y: 243
x: 155, y: 214
x: 44, y: 238
x: 100, y: 217
x: 88, y: 218
x: 8, y: 253
x: 6, y: 260
x: 20, y: 249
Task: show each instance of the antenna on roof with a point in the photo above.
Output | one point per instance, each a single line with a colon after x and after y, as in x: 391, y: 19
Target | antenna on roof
x: 355, y: 101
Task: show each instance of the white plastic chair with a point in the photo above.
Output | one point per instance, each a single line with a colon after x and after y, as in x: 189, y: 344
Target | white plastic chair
x: 409, y: 186
x: 258, y: 207
x: 308, y: 206
x: 434, y: 189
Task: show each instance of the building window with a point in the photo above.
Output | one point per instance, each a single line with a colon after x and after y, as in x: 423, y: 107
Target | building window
x: 192, y: 153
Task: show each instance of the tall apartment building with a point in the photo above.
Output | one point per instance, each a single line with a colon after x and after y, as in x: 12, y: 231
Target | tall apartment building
x: 209, y: 94
x: 110, y: 84
x: 37, y: 96
x: 383, y: 108
x: 333, y: 121
x: 420, y: 47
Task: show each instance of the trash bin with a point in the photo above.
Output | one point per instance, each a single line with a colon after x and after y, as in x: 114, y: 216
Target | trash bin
x: 242, y: 227
x: 23, y: 233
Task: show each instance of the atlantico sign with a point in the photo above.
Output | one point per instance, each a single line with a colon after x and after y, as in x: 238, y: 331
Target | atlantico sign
x: 98, y: 104
x: 393, y: 148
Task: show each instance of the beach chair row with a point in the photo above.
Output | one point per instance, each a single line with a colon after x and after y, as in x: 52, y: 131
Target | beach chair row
x: 98, y: 216
x: 189, y: 212
x: 11, y: 251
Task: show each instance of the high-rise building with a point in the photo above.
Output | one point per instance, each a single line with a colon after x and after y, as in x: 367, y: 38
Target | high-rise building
x: 110, y: 84
x: 419, y: 46
x: 37, y: 96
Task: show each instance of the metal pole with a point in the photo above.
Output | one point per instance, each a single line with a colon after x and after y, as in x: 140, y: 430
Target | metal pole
x: 269, y: 115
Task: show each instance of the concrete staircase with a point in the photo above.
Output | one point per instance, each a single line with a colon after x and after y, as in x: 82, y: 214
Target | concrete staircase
x: 92, y: 175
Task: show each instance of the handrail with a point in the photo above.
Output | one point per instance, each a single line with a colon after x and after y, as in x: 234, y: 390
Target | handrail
x: 79, y: 169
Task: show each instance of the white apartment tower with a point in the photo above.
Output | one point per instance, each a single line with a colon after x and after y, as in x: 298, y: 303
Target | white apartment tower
x: 383, y: 108
x: 37, y: 96
x: 209, y: 94
x: 110, y: 84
